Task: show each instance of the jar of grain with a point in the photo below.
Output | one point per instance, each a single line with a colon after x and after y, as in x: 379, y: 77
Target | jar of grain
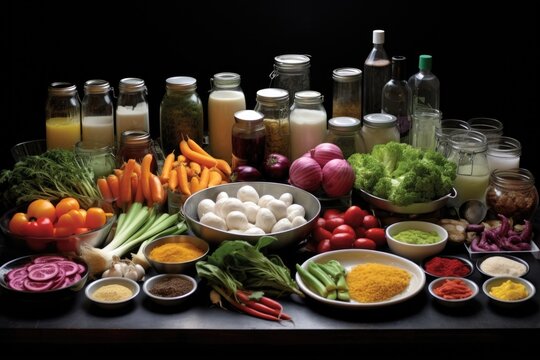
x: 273, y: 103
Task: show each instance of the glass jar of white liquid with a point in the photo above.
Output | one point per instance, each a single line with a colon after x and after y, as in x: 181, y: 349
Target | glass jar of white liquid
x: 503, y: 153
x: 132, y: 110
x: 379, y: 128
x: 98, y: 113
x: 472, y: 175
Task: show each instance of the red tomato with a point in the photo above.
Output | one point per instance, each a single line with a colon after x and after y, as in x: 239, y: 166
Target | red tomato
x: 363, y: 243
x: 370, y: 221
x: 341, y: 241
x: 42, y: 227
x: 331, y: 213
x: 319, y: 234
x: 360, y: 231
x: 321, y: 222
x: 324, y: 246
x: 333, y: 223
x: 344, y: 229
x: 354, y: 216
x: 378, y: 235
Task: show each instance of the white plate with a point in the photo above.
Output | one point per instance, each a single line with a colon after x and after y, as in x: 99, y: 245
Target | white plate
x: 349, y: 258
x: 535, y: 251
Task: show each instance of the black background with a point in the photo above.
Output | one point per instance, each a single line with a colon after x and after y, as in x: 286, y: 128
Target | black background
x: 482, y: 56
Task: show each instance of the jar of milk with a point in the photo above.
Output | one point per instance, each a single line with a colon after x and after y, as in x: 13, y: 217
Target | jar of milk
x: 62, y: 116
x: 503, y: 153
x: 468, y: 151
x: 307, y: 122
x: 132, y: 110
x: 98, y: 113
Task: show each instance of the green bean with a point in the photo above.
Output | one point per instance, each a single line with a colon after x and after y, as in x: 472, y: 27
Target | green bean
x: 311, y: 281
x: 322, y: 276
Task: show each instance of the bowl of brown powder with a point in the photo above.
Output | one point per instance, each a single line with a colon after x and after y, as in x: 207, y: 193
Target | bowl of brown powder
x: 170, y: 289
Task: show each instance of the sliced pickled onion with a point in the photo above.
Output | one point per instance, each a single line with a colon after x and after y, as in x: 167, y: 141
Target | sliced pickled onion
x: 47, y: 259
x: 17, y: 273
x: 44, y: 273
x: 37, y: 285
x: 17, y: 283
x: 81, y: 268
x: 69, y: 267
x: 58, y: 281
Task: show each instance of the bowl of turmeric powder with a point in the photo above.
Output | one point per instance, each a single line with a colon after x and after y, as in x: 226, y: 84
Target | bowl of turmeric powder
x: 175, y: 254
x: 508, y: 291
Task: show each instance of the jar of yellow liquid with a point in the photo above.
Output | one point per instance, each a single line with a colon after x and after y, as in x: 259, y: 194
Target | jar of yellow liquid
x: 63, y: 116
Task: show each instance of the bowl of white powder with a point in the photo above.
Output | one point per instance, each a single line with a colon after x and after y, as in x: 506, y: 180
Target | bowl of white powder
x: 502, y: 265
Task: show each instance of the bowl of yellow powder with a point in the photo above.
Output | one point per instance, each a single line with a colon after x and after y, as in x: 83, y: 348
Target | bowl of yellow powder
x: 175, y: 254
x: 112, y: 293
x: 416, y: 240
x: 508, y: 290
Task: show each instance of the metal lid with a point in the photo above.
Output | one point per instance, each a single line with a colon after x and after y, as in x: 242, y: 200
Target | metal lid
x: 62, y: 88
x: 96, y: 87
x: 134, y: 137
x: 347, y: 74
x: 248, y: 115
x: 344, y: 123
x: 308, y: 97
x: 131, y: 85
x: 272, y: 95
x: 291, y: 61
x: 183, y: 83
x: 226, y: 79
x: 380, y: 120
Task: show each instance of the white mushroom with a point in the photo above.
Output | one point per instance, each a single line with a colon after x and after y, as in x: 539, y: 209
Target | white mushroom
x: 287, y: 198
x: 205, y: 206
x: 265, y: 220
x: 264, y: 200
x: 222, y: 195
x: 231, y: 204
x: 237, y: 220
x: 299, y: 220
x: 251, y: 210
x: 211, y: 219
x: 295, y: 210
x: 248, y: 193
x: 282, y: 225
x: 278, y: 207
x: 254, y: 231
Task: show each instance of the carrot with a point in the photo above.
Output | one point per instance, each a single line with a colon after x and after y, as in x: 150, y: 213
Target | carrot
x: 134, y: 185
x: 118, y: 172
x: 221, y: 173
x: 196, y: 147
x: 125, y: 183
x: 104, y: 189
x: 224, y: 166
x: 137, y: 169
x: 194, y: 184
x: 139, y: 196
x: 145, y: 176
x: 196, y: 167
x: 173, y: 180
x: 214, y: 179
x: 167, y: 166
x: 183, y: 183
x: 207, y: 161
x: 112, y: 181
x: 181, y: 159
x: 156, y: 190
x: 205, y: 177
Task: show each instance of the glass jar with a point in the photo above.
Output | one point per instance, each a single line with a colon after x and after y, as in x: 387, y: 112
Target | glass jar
x: 503, y: 153
x: 225, y: 99
x: 135, y: 144
x: 379, y: 128
x: 132, y: 108
x: 442, y: 134
x: 274, y: 105
x: 512, y: 193
x: 468, y: 152
x: 62, y: 116
x: 291, y: 72
x: 98, y: 113
x: 248, y: 138
x: 490, y: 127
x: 308, y: 122
x: 344, y: 131
x: 347, y: 95
x: 99, y: 157
x: 425, y: 122
x: 181, y: 113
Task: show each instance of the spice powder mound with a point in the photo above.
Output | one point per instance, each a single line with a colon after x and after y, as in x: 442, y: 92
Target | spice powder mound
x: 171, y: 287
x: 112, y: 293
x: 370, y: 282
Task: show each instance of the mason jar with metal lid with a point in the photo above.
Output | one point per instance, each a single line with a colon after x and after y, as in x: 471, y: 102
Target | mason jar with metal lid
x: 347, y: 96
x: 308, y: 122
x: 248, y: 139
x: 344, y: 131
x: 291, y: 72
x: 98, y: 113
x: 274, y: 105
x: 132, y: 108
x: 62, y: 116
x: 135, y: 144
x: 379, y: 128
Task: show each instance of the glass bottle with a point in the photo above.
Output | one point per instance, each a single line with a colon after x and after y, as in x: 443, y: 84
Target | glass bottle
x: 135, y: 144
x: 379, y: 129
x: 62, y: 116
x: 377, y: 72
x: 132, y: 108
x: 291, y: 72
x: 181, y: 113
x: 226, y: 98
x: 248, y: 138
x: 512, y: 193
x: 425, y: 86
x: 347, y: 92
x: 274, y: 104
x: 397, y: 98
x: 97, y: 113
x: 468, y: 151
x: 307, y: 121
x: 344, y: 131
x: 98, y: 155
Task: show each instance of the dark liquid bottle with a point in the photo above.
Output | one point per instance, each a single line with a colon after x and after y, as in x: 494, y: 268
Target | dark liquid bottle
x: 248, y: 139
x: 377, y: 71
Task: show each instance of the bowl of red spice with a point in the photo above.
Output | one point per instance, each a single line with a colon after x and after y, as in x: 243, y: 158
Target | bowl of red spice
x: 447, y: 265
x: 174, y: 254
x: 453, y: 291
x: 170, y: 289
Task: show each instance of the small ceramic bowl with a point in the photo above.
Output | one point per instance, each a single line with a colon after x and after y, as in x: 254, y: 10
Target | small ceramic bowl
x: 175, y: 267
x: 416, y: 252
x: 117, y: 299
x: 168, y: 300
x: 436, y: 273
x: 435, y: 284
x: 502, y: 265
x: 498, y: 281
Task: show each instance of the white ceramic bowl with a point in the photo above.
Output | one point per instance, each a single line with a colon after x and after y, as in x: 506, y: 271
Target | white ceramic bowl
x: 415, y: 252
x: 452, y: 302
x: 175, y: 267
x: 498, y: 280
x: 94, y: 286
x: 168, y: 300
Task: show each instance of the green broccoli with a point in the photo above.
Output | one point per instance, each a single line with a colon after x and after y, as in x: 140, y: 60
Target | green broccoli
x: 368, y: 171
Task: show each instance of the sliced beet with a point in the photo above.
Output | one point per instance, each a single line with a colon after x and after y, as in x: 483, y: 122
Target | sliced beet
x: 16, y: 273
x: 37, y: 285
x: 17, y: 283
x: 48, y: 258
x: 69, y: 267
x: 44, y: 273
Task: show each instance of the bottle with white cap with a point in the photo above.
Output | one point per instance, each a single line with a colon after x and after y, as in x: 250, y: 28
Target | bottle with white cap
x: 377, y: 72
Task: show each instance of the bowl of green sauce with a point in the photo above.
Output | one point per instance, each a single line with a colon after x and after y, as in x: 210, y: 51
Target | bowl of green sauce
x: 416, y: 240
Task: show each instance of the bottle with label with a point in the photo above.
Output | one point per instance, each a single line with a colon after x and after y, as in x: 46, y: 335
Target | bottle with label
x: 397, y: 97
x: 62, y: 116
x: 344, y: 131
x: 377, y: 72
x: 248, y: 139
x: 226, y: 98
x: 425, y: 86
x: 274, y: 104
x: 347, y: 96
x: 379, y: 129
x: 291, y: 73
x: 132, y: 108
x: 307, y: 121
x: 97, y: 113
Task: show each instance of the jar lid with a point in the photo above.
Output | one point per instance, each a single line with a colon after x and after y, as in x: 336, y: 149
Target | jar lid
x: 347, y: 74
x: 134, y: 137
x: 96, y: 87
x: 185, y: 83
x: 380, y: 120
x: 248, y: 115
x: 504, y: 146
x: 344, y: 123
x: 468, y: 141
x: 292, y: 62
x: 308, y: 97
x: 272, y: 95
x: 62, y: 88
x: 226, y: 79
x: 131, y: 85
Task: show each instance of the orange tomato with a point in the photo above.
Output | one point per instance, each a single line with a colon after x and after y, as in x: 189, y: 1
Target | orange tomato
x: 41, y: 208
x: 78, y: 217
x: 95, y: 218
x: 67, y: 221
x: 65, y: 205
x: 62, y: 231
x: 18, y: 223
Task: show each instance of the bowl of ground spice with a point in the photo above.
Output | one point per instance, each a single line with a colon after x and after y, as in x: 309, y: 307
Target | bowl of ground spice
x: 508, y: 291
x: 170, y: 289
x: 502, y: 265
x: 175, y: 254
x: 453, y: 291
x: 447, y: 265
x: 112, y: 293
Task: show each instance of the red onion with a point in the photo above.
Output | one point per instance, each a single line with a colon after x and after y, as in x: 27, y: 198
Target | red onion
x: 325, y: 152
x: 338, y: 177
x: 305, y: 173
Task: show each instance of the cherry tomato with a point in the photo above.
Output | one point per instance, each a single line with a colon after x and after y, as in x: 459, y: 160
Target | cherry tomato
x: 95, y: 218
x: 67, y: 221
x: 333, y: 223
x: 319, y: 234
x: 344, y: 229
x: 370, y: 221
x: 341, y: 241
x: 360, y: 231
x: 41, y: 208
x: 363, y: 243
x: 62, y: 231
x: 378, y: 235
x: 331, y: 213
x: 78, y: 217
x: 324, y: 246
x: 18, y: 223
x: 321, y: 222
x: 45, y: 226
x: 354, y: 216
x: 65, y: 205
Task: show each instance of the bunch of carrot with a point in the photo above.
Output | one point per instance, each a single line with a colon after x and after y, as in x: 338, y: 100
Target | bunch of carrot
x: 194, y: 169
x: 133, y: 182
